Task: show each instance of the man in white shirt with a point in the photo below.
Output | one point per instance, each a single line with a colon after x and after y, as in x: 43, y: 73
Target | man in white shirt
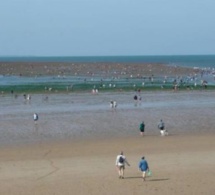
x: 36, y: 117
x: 120, y: 164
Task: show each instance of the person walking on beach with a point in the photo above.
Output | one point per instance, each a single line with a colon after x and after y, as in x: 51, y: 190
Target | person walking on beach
x: 143, y: 167
x: 161, y: 127
x: 142, y: 128
x: 113, y: 104
x: 120, y: 164
x: 35, y: 117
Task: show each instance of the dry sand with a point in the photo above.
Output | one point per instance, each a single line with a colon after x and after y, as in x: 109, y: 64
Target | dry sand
x: 74, y: 146
x: 179, y: 164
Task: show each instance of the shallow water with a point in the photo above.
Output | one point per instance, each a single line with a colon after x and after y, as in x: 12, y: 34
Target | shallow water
x: 99, y: 81
x: 84, y: 115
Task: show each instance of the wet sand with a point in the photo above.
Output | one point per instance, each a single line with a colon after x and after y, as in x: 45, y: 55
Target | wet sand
x: 73, y: 147
x: 93, y: 69
x: 87, y: 116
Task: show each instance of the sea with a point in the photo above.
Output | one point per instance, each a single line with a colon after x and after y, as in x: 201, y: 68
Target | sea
x: 204, y: 62
x: 200, y: 61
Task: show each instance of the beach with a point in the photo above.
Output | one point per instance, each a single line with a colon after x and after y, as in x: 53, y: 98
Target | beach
x: 73, y: 147
x: 179, y: 164
x: 83, y: 82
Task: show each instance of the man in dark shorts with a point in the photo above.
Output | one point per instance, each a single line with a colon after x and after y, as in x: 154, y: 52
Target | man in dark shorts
x: 161, y: 127
x: 142, y: 128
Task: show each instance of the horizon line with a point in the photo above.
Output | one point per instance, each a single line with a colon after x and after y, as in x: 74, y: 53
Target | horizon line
x: 47, y: 56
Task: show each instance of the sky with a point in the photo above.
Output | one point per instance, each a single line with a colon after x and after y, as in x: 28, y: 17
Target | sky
x: 106, y: 27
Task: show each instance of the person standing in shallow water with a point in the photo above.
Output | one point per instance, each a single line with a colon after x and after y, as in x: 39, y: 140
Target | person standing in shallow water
x: 161, y: 125
x: 142, y: 128
x: 35, y: 117
x: 120, y: 164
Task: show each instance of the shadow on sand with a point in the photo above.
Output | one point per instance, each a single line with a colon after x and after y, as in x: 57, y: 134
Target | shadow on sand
x: 164, y: 179
x: 148, y: 179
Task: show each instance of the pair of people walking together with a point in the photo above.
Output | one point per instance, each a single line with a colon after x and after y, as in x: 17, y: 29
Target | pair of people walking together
x: 121, y: 161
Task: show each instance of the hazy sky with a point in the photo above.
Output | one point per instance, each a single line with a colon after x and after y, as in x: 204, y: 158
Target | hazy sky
x: 106, y: 27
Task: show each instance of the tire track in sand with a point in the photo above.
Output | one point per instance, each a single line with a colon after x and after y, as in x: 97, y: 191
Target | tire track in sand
x: 51, y: 163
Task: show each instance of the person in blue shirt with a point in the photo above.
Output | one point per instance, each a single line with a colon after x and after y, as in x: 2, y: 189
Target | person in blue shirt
x: 143, y: 166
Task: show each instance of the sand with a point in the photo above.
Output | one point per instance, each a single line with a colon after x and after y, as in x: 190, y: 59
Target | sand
x: 73, y: 147
x: 179, y: 164
x: 94, y: 69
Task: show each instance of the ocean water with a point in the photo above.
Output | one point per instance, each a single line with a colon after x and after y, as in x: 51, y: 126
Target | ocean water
x: 201, y: 61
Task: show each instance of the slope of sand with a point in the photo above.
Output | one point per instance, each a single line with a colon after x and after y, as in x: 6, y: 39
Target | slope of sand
x: 73, y: 147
